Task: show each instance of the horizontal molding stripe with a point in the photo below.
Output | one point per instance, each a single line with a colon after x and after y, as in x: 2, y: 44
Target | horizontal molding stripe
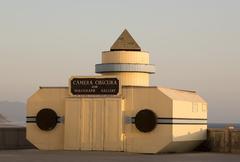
x: 190, y: 121
x: 185, y: 118
x: 106, y: 68
x: 183, y: 123
x: 32, y: 119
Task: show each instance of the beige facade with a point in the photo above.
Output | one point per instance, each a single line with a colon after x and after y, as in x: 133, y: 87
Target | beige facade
x: 139, y: 118
x: 93, y: 124
x: 130, y: 57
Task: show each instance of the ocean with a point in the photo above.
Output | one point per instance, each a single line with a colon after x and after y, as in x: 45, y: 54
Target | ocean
x: 223, y: 125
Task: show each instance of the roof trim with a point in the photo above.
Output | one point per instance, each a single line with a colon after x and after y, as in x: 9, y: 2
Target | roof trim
x: 51, y: 87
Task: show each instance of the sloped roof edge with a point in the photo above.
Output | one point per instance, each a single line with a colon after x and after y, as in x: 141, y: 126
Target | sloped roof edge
x: 182, y: 95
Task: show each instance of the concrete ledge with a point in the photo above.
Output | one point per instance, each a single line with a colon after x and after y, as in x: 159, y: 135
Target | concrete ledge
x: 225, y: 140
x: 14, y: 138
x: 142, y: 68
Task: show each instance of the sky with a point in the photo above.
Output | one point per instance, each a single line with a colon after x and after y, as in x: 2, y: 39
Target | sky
x: 195, y: 45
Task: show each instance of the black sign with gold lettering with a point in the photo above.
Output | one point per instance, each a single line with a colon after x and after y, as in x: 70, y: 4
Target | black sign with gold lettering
x: 94, y: 86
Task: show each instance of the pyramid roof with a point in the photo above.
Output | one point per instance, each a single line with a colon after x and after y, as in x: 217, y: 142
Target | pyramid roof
x: 125, y: 42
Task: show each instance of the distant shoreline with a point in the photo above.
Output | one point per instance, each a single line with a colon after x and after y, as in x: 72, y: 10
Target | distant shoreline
x: 223, y: 125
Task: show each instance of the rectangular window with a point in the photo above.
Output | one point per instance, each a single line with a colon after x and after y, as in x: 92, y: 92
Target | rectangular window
x: 204, y: 107
x: 194, y: 107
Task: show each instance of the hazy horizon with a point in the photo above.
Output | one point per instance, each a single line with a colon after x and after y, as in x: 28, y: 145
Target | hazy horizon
x: 195, y: 45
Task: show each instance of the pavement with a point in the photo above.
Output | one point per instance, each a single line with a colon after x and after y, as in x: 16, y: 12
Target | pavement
x: 34, y: 155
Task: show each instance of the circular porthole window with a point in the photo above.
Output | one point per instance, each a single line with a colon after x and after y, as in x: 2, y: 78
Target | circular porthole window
x: 145, y: 120
x: 46, y: 119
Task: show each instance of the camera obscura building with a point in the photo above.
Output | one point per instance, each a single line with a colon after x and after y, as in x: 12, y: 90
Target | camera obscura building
x: 117, y: 110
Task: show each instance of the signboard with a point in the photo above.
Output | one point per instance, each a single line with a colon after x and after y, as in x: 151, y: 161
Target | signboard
x: 94, y: 86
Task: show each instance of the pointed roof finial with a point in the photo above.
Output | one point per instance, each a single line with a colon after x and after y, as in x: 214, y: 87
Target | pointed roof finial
x: 125, y: 42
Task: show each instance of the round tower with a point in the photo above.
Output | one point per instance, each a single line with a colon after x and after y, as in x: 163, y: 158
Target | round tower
x: 126, y: 61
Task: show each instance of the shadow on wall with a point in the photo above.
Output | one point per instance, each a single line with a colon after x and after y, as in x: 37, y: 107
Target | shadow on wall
x: 180, y: 144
